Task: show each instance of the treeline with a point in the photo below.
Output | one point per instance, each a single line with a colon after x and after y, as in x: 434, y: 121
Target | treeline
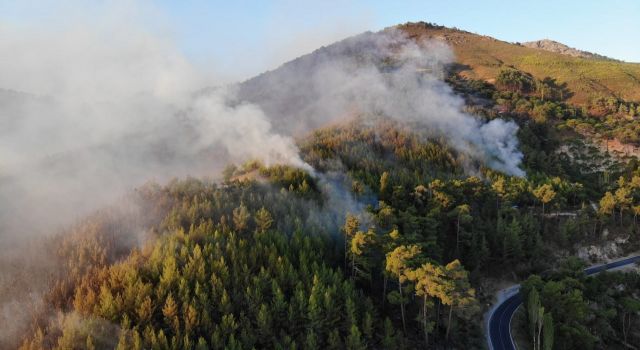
x: 368, y: 146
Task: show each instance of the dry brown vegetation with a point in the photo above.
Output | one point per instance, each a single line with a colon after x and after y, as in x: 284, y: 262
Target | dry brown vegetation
x: 482, y: 57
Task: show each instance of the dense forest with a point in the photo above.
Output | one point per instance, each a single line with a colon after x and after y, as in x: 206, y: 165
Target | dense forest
x: 260, y: 260
x: 396, y: 240
x: 576, y: 312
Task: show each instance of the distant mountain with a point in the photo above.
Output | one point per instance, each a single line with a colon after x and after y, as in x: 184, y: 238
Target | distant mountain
x: 554, y: 46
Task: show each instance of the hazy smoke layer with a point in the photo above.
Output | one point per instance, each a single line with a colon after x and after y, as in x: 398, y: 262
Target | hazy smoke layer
x: 107, y: 108
x: 88, y: 112
x: 381, y: 74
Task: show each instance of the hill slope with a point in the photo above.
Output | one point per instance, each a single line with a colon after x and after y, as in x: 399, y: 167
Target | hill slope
x: 482, y: 57
x: 394, y: 237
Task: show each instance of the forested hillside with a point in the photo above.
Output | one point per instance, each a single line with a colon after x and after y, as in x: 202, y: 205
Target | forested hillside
x: 395, y: 233
x: 257, y: 261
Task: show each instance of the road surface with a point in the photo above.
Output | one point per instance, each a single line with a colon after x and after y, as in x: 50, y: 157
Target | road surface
x: 499, y: 317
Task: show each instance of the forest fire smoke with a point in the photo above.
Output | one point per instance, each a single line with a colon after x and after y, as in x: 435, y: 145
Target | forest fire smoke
x: 112, y: 106
x: 384, y: 74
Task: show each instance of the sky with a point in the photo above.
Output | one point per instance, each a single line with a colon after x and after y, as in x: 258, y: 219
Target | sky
x: 238, y: 39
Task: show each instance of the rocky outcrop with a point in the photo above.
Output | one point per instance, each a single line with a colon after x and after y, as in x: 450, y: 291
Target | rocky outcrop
x: 554, y: 46
x: 603, y: 252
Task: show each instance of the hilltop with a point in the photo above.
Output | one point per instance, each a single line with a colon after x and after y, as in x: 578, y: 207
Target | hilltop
x: 482, y: 57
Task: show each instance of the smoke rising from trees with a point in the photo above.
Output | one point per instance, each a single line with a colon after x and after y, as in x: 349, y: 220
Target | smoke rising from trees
x: 382, y: 74
x: 88, y: 112
x: 106, y: 109
x: 110, y: 107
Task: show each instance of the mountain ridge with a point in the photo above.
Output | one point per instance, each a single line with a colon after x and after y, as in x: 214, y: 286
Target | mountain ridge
x: 558, y: 47
x: 483, y: 57
x: 589, y: 77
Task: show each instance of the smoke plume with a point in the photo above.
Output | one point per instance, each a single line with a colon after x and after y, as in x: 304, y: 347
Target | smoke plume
x: 89, y: 111
x: 104, y: 110
x: 111, y: 106
x: 384, y: 74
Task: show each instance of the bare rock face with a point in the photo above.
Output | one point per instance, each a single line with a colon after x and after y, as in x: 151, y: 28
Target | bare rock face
x: 554, y: 46
x: 604, y: 252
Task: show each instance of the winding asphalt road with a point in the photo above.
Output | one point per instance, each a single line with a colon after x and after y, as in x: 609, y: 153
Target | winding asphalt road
x: 499, y: 318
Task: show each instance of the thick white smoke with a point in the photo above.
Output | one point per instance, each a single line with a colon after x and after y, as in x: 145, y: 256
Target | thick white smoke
x: 383, y: 74
x: 87, y: 112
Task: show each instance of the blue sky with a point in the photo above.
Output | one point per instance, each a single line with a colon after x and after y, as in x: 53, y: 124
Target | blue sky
x: 609, y: 27
x: 248, y: 37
